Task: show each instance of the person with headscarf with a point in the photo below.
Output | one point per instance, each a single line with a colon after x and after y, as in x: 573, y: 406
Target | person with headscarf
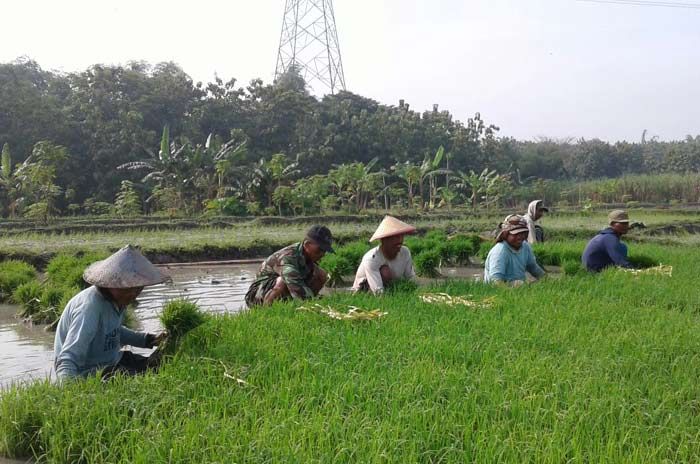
x: 511, y: 257
x: 390, y: 261
x: 535, y: 211
x: 90, y: 333
x: 293, y: 271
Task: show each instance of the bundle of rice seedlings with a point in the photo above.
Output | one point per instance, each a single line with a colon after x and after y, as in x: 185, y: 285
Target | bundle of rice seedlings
x: 449, y: 300
x: 353, y: 313
x: 181, y: 316
x: 661, y: 270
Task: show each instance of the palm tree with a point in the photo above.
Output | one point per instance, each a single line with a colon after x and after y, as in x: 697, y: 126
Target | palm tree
x: 272, y: 174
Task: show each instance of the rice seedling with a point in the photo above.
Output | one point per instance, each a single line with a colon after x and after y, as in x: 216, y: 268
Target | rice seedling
x: 449, y: 300
x: 427, y: 263
x: 587, y: 368
x: 178, y: 318
x: 351, y: 313
x: 14, y: 273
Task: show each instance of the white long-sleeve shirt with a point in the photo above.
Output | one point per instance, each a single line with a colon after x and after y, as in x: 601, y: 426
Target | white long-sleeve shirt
x: 401, y: 267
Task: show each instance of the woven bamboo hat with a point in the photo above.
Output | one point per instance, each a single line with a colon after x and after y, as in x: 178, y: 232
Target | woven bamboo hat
x: 391, y: 226
x: 127, y: 268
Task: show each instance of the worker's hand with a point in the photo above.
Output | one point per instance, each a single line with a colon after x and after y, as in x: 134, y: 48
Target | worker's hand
x: 517, y: 283
x: 153, y: 340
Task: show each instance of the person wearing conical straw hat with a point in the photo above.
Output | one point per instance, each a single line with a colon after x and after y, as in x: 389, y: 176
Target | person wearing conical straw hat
x: 293, y: 271
x: 511, y: 257
x: 388, y: 262
x: 90, y: 334
x: 606, y: 249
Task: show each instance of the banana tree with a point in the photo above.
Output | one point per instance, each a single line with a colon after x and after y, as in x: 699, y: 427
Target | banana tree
x: 9, y: 181
x: 428, y: 170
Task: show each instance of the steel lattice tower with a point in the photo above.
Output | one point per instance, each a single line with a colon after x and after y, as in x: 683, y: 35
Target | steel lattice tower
x: 309, y: 41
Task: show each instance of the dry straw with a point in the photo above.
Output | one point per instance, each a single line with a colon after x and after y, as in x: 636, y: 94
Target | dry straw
x: 353, y: 313
x: 449, y: 300
x: 661, y: 270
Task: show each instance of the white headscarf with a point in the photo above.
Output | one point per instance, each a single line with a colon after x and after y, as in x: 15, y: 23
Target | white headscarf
x: 530, y: 219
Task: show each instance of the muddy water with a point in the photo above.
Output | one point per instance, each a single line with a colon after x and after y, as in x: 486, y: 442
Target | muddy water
x: 27, y: 351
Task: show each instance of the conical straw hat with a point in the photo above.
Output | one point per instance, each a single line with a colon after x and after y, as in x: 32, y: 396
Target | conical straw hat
x: 391, y: 226
x: 127, y: 268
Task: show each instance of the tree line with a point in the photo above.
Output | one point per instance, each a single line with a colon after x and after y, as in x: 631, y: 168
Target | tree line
x: 142, y: 138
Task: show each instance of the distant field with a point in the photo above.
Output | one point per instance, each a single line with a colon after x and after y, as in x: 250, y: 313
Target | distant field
x: 246, y: 234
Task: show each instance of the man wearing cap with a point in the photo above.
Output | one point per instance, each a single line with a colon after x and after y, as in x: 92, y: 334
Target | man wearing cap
x: 606, y: 249
x: 512, y: 256
x: 388, y: 262
x: 90, y: 334
x: 535, y: 211
x: 293, y: 271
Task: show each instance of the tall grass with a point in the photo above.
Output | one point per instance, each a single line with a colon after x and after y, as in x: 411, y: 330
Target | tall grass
x: 592, y: 368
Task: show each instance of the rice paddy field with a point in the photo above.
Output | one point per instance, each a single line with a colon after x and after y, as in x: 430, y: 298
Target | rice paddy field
x: 581, y: 368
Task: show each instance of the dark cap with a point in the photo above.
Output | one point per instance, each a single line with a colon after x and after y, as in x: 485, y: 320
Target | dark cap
x: 321, y: 235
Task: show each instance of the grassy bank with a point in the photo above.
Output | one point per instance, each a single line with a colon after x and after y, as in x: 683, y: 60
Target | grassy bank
x: 580, y: 369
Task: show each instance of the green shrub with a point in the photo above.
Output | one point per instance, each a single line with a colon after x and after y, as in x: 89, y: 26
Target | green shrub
x: 461, y: 248
x: 427, y: 263
x: 14, y: 273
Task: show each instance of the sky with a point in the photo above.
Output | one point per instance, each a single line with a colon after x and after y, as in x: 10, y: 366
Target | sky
x: 535, y: 68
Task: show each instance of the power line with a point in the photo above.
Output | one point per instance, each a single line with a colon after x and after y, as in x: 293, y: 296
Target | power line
x: 669, y: 4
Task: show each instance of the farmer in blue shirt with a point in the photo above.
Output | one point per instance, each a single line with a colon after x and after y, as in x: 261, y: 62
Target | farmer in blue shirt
x: 606, y: 249
x: 508, y: 260
x: 90, y: 333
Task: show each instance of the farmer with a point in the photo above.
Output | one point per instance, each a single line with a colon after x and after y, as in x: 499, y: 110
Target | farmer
x: 388, y: 262
x: 606, y: 249
x: 293, y: 271
x: 90, y: 334
x: 508, y: 260
x: 535, y: 211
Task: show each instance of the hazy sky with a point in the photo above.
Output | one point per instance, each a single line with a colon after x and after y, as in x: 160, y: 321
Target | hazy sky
x: 554, y: 68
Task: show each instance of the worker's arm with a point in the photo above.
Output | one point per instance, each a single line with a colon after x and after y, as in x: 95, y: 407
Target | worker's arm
x: 532, y: 266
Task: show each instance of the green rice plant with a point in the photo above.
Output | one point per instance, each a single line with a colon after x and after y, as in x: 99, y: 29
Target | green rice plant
x: 551, y: 372
x: 572, y: 267
x: 178, y: 318
x: 28, y: 296
x: 460, y: 248
x: 401, y: 286
x: 337, y: 267
x: 66, y: 269
x: 427, y: 263
x: 642, y: 261
x: 353, y: 252
x: 14, y: 273
x: 484, y: 249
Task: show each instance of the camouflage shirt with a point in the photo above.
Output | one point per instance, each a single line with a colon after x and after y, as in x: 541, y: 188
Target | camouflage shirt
x: 291, y: 264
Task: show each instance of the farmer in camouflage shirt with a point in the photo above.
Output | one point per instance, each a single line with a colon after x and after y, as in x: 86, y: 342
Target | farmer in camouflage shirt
x: 292, y: 271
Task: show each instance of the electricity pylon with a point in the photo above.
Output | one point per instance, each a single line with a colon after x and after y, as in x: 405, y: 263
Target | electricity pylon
x: 309, y: 42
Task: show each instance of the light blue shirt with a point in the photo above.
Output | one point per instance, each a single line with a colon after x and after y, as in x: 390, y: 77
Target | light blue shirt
x: 90, y: 335
x: 507, y: 264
